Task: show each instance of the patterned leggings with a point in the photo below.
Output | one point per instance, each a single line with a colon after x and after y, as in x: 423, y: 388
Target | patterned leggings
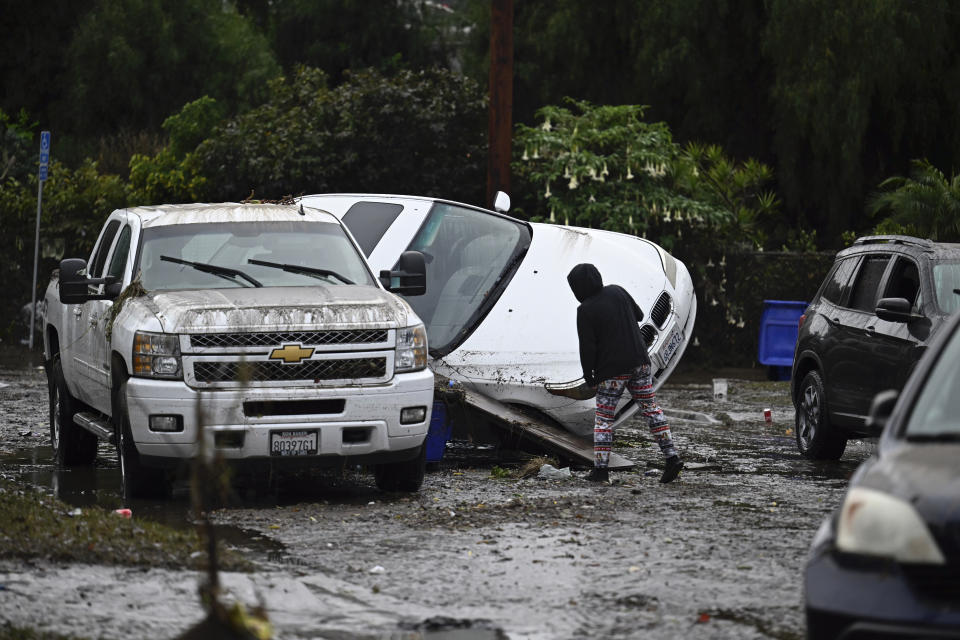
x: 640, y: 385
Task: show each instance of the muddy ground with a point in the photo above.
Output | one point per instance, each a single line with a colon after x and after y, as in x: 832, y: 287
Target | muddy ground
x: 717, y: 554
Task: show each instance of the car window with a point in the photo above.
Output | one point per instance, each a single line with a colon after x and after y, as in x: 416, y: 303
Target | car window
x: 95, y: 268
x: 904, y: 281
x: 946, y: 282
x: 368, y: 221
x: 864, y: 294
x: 838, y: 282
x: 937, y: 407
x: 120, y: 253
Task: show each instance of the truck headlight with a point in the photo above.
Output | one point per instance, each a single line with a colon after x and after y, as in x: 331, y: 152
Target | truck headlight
x: 874, y: 523
x: 157, y: 355
x: 411, y: 349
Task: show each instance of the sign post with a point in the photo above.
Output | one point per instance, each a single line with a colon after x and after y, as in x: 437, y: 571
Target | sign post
x: 41, y: 178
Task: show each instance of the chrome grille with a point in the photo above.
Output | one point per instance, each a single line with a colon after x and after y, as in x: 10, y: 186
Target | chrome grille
x: 350, y: 368
x: 274, y: 338
x: 649, y: 334
x: 661, y: 310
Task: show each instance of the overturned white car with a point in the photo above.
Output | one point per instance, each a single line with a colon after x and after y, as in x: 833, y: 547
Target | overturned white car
x: 500, y: 315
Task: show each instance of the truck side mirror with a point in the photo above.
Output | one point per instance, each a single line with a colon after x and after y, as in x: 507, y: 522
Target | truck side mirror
x: 409, y: 277
x: 880, y: 410
x: 74, y: 283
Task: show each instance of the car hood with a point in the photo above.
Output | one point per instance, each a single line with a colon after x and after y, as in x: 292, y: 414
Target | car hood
x: 925, y: 475
x: 279, y: 308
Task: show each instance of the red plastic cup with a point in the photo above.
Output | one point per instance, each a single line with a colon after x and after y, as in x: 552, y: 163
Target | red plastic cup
x: 124, y: 513
x: 768, y: 416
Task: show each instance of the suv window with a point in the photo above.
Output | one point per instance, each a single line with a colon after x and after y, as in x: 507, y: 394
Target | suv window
x: 839, y: 282
x: 368, y: 221
x: 904, y: 281
x: 864, y: 295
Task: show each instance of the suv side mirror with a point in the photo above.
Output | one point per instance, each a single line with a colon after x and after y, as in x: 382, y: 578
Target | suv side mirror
x: 880, y: 410
x: 410, y: 276
x: 894, y: 309
x: 74, y: 283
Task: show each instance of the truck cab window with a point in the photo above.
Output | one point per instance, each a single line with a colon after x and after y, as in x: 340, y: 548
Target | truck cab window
x: 120, y: 253
x: 99, y: 259
x: 368, y: 221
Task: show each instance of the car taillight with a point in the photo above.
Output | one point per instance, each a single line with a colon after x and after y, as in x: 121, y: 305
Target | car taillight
x: 800, y: 321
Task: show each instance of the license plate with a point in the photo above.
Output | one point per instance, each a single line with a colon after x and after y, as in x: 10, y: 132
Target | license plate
x: 293, y: 443
x: 667, y: 352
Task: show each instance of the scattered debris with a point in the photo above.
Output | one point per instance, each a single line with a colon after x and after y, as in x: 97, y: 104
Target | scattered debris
x: 377, y: 569
x: 550, y: 472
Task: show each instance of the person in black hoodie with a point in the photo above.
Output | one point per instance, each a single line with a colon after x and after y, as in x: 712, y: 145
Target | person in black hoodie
x: 613, y: 355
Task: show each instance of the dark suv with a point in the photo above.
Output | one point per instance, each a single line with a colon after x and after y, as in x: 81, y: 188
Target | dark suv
x: 873, y: 317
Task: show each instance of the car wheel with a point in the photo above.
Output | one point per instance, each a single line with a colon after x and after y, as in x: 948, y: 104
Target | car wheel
x: 72, y: 444
x: 402, y: 476
x: 137, y: 480
x: 815, y: 438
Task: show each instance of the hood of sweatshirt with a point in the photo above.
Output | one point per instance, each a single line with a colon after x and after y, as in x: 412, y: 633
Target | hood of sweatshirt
x: 585, y: 281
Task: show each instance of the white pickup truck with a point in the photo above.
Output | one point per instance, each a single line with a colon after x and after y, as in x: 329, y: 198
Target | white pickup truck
x: 259, y: 328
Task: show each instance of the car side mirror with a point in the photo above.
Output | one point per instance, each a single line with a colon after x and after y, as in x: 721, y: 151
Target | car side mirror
x: 501, y: 202
x: 409, y: 278
x: 880, y: 410
x: 894, y: 309
x: 75, y: 285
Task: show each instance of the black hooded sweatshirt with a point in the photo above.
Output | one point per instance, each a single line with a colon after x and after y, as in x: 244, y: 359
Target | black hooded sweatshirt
x: 607, y: 324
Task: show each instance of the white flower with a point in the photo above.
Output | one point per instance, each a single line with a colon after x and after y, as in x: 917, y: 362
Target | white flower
x: 547, y: 193
x: 526, y: 156
x: 713, y: 302
x: 630, y: 221
x: 552, y: 217
x: 546, y: 126
x: 536, y: 153
x: 573, y: 184
x: 566, y: 172
x: 592, y: 199
x: 604, y: 172
x: 629, y: 173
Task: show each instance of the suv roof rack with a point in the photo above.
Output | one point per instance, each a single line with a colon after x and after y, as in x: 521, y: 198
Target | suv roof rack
x: 920, y: 242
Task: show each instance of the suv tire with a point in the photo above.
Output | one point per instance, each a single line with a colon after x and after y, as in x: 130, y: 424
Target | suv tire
x: 72, y: 444
x: 815, y: 438
x: 402, y: 476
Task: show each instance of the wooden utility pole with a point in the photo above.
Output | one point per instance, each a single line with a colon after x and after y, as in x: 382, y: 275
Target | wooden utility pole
x: 501, y: 98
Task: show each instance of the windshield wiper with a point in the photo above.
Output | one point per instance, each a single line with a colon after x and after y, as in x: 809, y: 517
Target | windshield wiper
x: 223, y: 272
x: 308, y: 271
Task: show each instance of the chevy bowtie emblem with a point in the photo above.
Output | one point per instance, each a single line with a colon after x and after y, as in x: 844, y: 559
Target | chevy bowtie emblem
x: 291, y: 353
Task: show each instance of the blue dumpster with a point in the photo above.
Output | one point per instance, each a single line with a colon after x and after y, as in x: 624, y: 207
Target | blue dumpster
x: 778, y: 335
x: 439, y: 432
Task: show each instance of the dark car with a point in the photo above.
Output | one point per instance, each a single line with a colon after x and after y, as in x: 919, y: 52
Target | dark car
x: 879, y: 307
x: 886, y: 564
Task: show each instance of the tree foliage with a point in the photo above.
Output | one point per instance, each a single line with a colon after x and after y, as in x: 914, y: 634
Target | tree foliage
x: 134, y: 62
x: 926, y: 204
x: 412, y: 132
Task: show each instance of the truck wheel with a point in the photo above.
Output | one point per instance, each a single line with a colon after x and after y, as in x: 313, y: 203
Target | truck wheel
x: 138, y: 481
x: 815, y: 437
x: 402, y: 476
x: 72, y: 444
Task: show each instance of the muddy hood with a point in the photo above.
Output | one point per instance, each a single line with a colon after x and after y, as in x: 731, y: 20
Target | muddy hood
x: 279, y: 308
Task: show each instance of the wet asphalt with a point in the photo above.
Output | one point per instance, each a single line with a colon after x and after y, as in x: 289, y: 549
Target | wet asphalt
x: 719, y: 553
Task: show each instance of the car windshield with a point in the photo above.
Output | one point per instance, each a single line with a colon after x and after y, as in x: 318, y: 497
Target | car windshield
x: 946, y: 283
x: 470, y: 256
x: 319, y: 246
x: 936, y: 413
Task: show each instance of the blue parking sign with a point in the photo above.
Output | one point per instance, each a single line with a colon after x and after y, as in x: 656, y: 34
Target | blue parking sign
x: 44, y: 155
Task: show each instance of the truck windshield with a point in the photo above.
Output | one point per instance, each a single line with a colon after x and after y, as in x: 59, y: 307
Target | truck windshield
x: 314, y: 247
x: 471, y: 256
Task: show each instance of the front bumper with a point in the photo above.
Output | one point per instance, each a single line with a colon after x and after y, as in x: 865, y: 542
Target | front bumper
x: 858, y: 598
x: 366, y: 428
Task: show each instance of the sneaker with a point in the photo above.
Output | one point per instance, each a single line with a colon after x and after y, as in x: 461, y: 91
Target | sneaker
x: 599, y: 475
x: 672, y: 469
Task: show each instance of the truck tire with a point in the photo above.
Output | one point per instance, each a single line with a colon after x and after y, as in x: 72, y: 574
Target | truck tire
x: 816, y: 440
x: 72, y: 444
x: 138, y: 481
x: 402, y: 476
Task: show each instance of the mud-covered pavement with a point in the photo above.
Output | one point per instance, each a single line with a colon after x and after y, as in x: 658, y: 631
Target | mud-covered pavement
x: 717, y: 554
